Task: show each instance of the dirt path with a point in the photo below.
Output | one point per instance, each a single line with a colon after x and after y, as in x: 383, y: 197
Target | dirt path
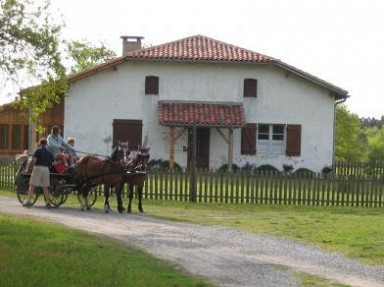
x: 226, y: 256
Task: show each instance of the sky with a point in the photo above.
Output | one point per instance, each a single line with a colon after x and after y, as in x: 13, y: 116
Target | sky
x: 339, y: 41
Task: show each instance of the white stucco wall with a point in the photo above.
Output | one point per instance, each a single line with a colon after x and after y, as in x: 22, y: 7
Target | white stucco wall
x: 283, y: 98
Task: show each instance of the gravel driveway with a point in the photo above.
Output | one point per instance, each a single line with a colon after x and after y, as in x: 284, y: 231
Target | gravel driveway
x: 225, y: 256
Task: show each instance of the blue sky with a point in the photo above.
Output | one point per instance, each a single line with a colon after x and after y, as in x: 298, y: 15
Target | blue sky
x: 340, y: 41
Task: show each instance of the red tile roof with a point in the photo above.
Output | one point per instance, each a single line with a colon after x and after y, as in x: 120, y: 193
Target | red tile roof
x: 180, y: 113
x: 204, y: 49
x: 200, y: 48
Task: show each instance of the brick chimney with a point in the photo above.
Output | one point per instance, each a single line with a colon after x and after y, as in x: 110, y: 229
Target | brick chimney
x: 131, y: 43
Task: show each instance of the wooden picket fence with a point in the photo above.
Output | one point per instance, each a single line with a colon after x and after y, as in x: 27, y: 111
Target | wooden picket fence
x: 256, y: 187
x: 361, y: 169
x: 266, y: 188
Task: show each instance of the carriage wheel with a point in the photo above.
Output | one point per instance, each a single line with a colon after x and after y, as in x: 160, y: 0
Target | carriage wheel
x: 91, y: 199
x: 22, y: 185
x: 92, y: 196
x: 56, y: 195
x: 64, y: 198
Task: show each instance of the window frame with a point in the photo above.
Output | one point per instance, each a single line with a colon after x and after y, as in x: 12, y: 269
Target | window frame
x: 271, y: 145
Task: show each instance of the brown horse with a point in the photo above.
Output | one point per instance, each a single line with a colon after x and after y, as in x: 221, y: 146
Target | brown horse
x: 93, y: 171
x: 135, y: 176
x: 120, y: 153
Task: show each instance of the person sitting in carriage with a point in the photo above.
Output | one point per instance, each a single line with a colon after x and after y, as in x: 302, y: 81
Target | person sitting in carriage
x: 55, y: 143
x: 61, y: 161
x: 72, y: 156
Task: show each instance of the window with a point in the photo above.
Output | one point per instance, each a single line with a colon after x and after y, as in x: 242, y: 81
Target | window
x: 26, y: 137
x: 128, y: 130
x: 250, y: 88
x: 16, y: 137
x: 4, y: 136
x: 270, y: 139
x: 248, y: 139
x: 151, y: 85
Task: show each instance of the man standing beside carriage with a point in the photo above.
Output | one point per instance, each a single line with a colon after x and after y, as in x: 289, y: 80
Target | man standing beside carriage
x: 42, y: 159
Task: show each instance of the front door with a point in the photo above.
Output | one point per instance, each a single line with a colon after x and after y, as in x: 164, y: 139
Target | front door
x: 202, y: 147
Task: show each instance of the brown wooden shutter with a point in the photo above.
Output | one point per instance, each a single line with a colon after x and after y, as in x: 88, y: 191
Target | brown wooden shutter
x: 128, y: 130
x: 248, y: 139
x: 151, y: 85
x: 250, y: 88
x: 293, y: 140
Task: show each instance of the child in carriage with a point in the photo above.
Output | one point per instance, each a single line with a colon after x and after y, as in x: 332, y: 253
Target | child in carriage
x: 61, y: 161
x: 72, y: 159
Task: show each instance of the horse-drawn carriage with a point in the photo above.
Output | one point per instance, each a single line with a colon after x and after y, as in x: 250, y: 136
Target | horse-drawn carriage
x: 61, y: 185
x: 91, y: 171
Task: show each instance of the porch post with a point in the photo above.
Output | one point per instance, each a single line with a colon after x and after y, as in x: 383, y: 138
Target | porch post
x: 193, y: 179
x: 230, y: 149
x: 172, y: 149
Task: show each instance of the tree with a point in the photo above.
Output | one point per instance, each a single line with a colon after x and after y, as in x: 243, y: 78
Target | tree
x: 375, y: 137
x: 351, y: 143
x: 29, y: 41
x: 85, y: 55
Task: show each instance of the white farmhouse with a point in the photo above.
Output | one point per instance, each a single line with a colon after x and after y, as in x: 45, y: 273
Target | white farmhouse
x: 243, y: 107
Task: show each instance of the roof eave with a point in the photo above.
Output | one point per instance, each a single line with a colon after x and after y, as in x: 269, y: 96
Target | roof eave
x: 338, y: 92
x: 94, y: 70
x: 201, y: 125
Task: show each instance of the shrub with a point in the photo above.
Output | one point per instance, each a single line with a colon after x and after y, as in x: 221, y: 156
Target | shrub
x: 326, y: 171
x: 224, y: 167
x: 267, y: 167
x: 287, y: 168
x: 160, y: 164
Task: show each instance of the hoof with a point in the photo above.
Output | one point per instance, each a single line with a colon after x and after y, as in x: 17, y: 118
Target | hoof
x: 129, y: 210
x: 120, y: 209
x: 141, y: 210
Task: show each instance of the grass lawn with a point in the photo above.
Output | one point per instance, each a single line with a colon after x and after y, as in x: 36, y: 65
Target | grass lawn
x: 43, y: 254
x: 355, y: 232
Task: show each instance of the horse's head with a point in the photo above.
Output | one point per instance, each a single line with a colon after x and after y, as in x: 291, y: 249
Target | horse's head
x: 121, y: 153
x: 142, y: 157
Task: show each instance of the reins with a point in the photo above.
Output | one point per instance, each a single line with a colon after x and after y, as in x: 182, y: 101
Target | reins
x: 88, y: 153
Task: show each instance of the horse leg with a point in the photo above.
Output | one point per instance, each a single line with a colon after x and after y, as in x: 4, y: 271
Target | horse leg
x: 83, y: 191
x: 140, y: 196
x: 130, y: 198
x: 86, y: 197
x: 87, y: 202
x: 107, y: 194
x: 118, y: 190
